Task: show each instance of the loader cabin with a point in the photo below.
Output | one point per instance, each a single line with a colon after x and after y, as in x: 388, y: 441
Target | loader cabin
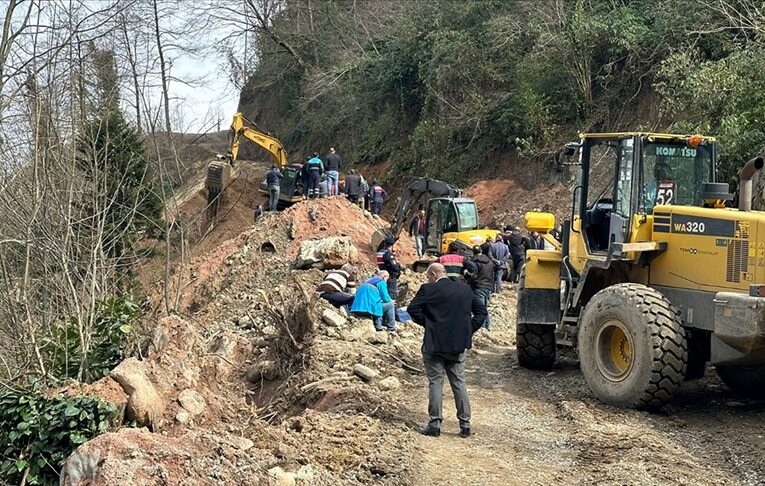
x: 625, y: 174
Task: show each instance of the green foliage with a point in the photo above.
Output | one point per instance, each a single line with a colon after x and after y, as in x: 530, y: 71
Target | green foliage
x: 111, y: 337
x: 447, y: 87
x: 38, y: 432
x: 121, y: 197
x: 724, y: 96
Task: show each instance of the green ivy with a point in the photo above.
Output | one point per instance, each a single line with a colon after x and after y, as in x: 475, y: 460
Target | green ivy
x: 112, y: 337
x: 38, y: 432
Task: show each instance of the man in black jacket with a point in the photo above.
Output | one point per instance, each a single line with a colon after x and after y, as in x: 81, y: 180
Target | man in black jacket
x: 353, y: 189
x: 483, y: 279
x: 333, y: 172
x: 450, y: 315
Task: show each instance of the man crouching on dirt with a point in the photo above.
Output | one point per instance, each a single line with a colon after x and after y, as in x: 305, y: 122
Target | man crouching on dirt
x: 450, y: 314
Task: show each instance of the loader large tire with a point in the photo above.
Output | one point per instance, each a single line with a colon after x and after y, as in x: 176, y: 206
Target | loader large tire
x: 749, y: 380
x: 536, y: 345
x: 632, y: 347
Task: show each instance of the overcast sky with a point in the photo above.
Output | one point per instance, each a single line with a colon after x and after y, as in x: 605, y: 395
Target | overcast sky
x: 211, y: 97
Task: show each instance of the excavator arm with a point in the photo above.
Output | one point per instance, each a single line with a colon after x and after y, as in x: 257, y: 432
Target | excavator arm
x: 272, y: 145
x: 414, y: 193
x: 219, y: 172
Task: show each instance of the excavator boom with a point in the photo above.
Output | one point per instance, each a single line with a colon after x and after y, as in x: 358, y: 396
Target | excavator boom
x: 219, y: 172
x: 262, y: 138
x: 414, y: 192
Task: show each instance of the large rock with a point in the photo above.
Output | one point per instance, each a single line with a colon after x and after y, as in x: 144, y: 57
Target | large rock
x: 278, y: 477
x: 327, y: 253
x: 364, y: 372
x: 389, y: 383
x: 145, y: 406
x: 332, y: 318
x: 192, y: 401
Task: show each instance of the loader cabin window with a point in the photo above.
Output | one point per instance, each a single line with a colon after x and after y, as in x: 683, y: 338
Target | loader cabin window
x: 674, y: 173
x: 609, y: 187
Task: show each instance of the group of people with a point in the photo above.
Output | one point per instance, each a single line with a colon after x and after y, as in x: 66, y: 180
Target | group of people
x: 484, y: 268
x: 321, y: 178
x: 375, y: 297
x: 450, y: 311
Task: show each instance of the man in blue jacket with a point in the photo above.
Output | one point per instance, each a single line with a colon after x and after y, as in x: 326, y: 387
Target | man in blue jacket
x: 372, y: 299
x: 315, y: 169
x: 450, y: 314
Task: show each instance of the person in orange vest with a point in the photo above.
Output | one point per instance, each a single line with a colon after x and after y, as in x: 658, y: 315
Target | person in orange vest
x: 456, y: 265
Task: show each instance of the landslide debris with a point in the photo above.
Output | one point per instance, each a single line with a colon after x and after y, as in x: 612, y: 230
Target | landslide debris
x: 256, y: 380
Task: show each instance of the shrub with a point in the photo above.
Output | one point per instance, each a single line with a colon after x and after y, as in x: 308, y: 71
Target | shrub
x: 37, y: 432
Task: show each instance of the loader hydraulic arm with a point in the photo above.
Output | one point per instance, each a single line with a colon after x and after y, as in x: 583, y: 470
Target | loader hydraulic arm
x: 272, y: 145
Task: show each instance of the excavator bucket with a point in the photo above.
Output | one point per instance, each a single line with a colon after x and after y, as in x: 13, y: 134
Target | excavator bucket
x: 378, y: 238
x: 218, y: 177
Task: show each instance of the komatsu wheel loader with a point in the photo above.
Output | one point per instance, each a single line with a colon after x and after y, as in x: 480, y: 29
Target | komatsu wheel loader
x: 655, y: 276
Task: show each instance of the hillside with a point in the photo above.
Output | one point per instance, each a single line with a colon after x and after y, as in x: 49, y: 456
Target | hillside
x: 464, y: 91
x: 257, y: 382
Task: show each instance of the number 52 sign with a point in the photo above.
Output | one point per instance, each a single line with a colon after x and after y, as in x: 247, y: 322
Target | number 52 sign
x: 665, y: 193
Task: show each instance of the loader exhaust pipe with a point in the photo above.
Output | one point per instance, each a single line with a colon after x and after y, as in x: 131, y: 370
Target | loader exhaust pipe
x: 745, y: 186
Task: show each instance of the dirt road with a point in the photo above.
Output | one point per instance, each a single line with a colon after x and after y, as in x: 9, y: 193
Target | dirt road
x: 544, y: 428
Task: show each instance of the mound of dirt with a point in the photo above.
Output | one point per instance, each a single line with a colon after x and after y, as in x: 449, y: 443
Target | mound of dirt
x: 503, y: 202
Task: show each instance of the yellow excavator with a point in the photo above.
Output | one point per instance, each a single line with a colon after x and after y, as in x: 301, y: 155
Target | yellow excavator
x: 219, y: 171
x: 448, y: 218
x: 655, y: 276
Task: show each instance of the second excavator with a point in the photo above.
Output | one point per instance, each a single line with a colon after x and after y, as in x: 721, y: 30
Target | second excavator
x: 448, y: 217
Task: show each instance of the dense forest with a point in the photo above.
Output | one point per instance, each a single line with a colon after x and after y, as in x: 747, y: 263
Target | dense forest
x: 449, y: 87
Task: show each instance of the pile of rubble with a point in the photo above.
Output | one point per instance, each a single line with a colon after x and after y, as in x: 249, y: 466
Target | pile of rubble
x: 257, y: 381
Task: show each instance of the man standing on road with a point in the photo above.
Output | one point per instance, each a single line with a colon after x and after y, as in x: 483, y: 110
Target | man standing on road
x: 499, y: 254
x: 517, y: 253
x: 353, y: 187
x: 417, y: 229
x: 456, y: 264
x: 483, y: 279
x: 450, y: 314
x: 376, y: 196
x: 273, y: 181
x: 386, y: 260
x: 333, y: 172
x: 315, y: 170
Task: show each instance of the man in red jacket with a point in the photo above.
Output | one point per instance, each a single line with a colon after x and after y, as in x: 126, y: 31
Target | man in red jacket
x: 450, y: 314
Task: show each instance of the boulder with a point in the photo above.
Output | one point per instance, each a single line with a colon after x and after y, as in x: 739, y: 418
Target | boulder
x: 332, y: 318
x: 192, y: 401
x: 145, y: 406
x: 327, y: 253
x: 364, y: 372
x: 389, y: 383
x: 305, y: 475
x: 278, y: 477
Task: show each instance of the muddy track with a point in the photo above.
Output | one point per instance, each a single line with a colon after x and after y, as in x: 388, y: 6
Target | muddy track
x: 544, y: 428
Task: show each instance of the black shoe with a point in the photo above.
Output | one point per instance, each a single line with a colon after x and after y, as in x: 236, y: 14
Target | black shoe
x: 430, y: 431
x: 464, y: 432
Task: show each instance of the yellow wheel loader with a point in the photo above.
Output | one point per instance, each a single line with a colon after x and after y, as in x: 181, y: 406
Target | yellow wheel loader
x: 219, y: 172
x: 655, y: 277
